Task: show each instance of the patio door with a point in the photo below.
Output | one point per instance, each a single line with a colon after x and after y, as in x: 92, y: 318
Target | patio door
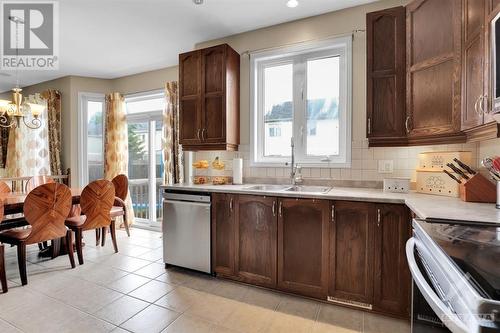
x: 145, y: 166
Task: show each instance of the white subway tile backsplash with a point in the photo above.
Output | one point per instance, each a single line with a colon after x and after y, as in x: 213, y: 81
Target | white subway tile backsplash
x: 364, y: 163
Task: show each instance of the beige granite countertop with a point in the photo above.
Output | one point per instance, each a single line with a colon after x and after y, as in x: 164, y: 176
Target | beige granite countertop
x: 423, y: 205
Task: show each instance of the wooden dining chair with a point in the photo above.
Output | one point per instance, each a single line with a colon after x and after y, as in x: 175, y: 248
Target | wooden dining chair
x: 119, y: 208
x: 45, y: 209
x: 96, y: 202
x: 3, y: 277
x: 4, y: 188
x: 36, y: 181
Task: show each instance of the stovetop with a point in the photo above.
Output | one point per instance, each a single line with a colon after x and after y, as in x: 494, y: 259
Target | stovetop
x: 474, y: 249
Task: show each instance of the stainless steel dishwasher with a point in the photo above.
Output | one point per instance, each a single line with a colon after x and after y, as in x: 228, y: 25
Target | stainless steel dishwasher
x: 186, y: 230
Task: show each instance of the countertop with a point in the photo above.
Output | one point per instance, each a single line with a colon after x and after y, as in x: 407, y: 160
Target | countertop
x: 425, y: 206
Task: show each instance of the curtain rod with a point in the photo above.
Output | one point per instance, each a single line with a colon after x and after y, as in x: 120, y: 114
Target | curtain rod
x: 352, y: 33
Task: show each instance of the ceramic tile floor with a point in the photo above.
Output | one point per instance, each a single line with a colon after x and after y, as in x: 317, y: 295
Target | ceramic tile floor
x: 132, y: 292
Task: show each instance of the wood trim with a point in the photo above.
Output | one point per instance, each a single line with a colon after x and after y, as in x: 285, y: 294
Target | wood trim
x: 212, y: 146
x: 437, y: 139
x: 487, y: 131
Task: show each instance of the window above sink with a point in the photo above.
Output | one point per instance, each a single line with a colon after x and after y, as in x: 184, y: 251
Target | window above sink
x: 302, y: 92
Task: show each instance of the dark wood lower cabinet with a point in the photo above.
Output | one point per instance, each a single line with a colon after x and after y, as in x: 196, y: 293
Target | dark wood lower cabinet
x: 223, y: 229
x: 303, y: 246
x: 342, y: 251
x: 351, y: 252
x: 256, y: 239
x: 392, y: 276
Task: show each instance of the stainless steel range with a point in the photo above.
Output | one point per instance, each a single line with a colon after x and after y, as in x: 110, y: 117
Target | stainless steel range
x: 456, y: 275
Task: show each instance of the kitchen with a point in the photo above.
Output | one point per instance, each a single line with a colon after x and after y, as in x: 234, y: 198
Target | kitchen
x: 278, y: 166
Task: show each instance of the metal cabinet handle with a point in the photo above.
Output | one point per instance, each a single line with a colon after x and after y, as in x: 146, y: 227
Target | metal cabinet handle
x: 369, y: 125
x: 407, y: 124
x: 475, y: 105
x: 198, y: 134
x: 274, y: 208
x: 280, y: 209
x: 333, y: 213
x: 203, y: 131
x: 481, y: 104
x: 231, y: 205
x: 378, y: 218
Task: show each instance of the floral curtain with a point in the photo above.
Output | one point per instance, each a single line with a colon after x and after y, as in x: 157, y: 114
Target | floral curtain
x: 116, y: 143
x: 172, y: 150
x: 53, y: 98
x: 28, y: 149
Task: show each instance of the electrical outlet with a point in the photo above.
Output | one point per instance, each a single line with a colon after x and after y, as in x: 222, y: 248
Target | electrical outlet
x: 385, y: 166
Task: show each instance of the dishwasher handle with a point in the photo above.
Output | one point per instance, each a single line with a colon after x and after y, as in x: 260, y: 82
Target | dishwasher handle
x: 186, y: 203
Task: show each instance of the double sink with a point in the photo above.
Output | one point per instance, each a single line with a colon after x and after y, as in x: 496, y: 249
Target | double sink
x: 290, y: 188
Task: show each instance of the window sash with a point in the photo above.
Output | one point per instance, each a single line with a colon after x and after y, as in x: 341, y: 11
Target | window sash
x: 341, y: 47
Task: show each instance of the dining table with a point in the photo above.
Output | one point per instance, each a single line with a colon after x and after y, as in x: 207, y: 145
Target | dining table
x: 13, y: 203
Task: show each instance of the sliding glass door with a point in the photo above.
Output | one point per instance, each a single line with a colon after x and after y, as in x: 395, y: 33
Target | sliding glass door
x: 145, y: 168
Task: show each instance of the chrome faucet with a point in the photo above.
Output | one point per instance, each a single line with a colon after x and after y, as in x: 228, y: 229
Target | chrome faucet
x: 295, y: 170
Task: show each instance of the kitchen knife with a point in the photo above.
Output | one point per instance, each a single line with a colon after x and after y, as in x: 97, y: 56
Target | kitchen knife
x: 496, y: 163
x: 452, y: 177
x: 465, y: 166
x: 457, y: 170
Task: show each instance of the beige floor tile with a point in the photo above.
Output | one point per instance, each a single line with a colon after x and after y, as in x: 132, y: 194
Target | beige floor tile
x: 222, y: 329
x: 284, y: 323
x: 248, y: 318
x: 5, y: 327
x: 341, y: 317
x: 213, y: 308
x: 133, y: 250
x: 126, y: 263
x: 152, y: 319
x: 87, y: 324
x: 174, y: 277
x: 379, y: 324
x: 100, y: 274
x: 152, y: 291
x: 263, y: 298
x: 231, y: 290
x: 121, y: 310
x: 202, y: 283
x: 151, y: 271
x: 298, y: 307
x: 119, y: 330
x: 152, y: 255
x: 189, y: 324
x: 128, y: 283
x: 181, y: 299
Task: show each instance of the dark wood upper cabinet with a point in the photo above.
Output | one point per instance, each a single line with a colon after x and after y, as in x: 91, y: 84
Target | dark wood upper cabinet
x: 256, y: 232
x: 209, y: 98
x: 303, y: 226
x: 223, y: 232
x: 434, y: 69
x: 392, y: 280
x: 386, y: 77
x: 351, y: 253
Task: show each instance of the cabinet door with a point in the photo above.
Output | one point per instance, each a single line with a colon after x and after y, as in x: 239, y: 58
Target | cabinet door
x: 386, y: 73
x: 434, y: 68
x: 392, y: 277
x: 351, y: 252
x: 213, y: 94
x: 256, y: 239
x: 473, y: 63
x: 190, y: 117
x: 223, y: 234
x: 303, y: 226
x: 493, y: 4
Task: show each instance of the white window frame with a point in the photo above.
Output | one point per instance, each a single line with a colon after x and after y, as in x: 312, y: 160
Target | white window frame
x: 83, y: 99
x: 151, y: 117
x: 297, y: 55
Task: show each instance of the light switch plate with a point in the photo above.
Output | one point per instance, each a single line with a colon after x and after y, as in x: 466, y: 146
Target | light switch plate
x: 385, y: 166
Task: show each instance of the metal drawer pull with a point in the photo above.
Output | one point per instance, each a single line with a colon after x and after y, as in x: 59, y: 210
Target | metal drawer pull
x: 407, y: 124
x: 280, y: 209
x: 274, y: 208
x: 378, y: 217
x: 369, y: 126
x: 203, y: 131
x: 333, y: 213
x: 198, y: 134
x: 475, y: 105
x: 231, y: 205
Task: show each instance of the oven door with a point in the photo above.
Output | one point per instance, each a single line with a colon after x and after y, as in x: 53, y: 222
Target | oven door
x: 429, y: 311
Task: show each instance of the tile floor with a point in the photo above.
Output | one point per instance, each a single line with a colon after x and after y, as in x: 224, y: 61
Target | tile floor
x: 132, y: 292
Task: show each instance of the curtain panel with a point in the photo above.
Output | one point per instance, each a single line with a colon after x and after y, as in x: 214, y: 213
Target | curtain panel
x: 53, y: 98
x: 116, y: 143
x: 172, y: 150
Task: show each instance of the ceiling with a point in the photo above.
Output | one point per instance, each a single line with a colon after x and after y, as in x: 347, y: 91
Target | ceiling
x: 114, y: 38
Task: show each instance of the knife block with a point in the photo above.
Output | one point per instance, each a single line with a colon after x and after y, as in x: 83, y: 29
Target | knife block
x: 478, y: 189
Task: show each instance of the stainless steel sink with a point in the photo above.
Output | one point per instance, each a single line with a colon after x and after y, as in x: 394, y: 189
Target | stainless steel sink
x: 267, y: 187
x: 309, y: 189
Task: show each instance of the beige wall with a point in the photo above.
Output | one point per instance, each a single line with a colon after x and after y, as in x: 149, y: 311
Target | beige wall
x: 145, y: 81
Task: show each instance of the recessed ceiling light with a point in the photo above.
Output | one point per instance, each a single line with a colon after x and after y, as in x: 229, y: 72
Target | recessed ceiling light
x: 198, y: 2
x: 292, y: 3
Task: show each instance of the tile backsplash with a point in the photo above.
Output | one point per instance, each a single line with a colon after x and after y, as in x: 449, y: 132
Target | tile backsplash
x: 364, y: 165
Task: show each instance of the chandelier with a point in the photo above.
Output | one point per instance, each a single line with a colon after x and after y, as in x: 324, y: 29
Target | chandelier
x: 11, y: 112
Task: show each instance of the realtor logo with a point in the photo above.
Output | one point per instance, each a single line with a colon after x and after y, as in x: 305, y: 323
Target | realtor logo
x: 30, y: 35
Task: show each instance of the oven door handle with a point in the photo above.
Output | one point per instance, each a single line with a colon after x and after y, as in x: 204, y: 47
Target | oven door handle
x: 451, y: 320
